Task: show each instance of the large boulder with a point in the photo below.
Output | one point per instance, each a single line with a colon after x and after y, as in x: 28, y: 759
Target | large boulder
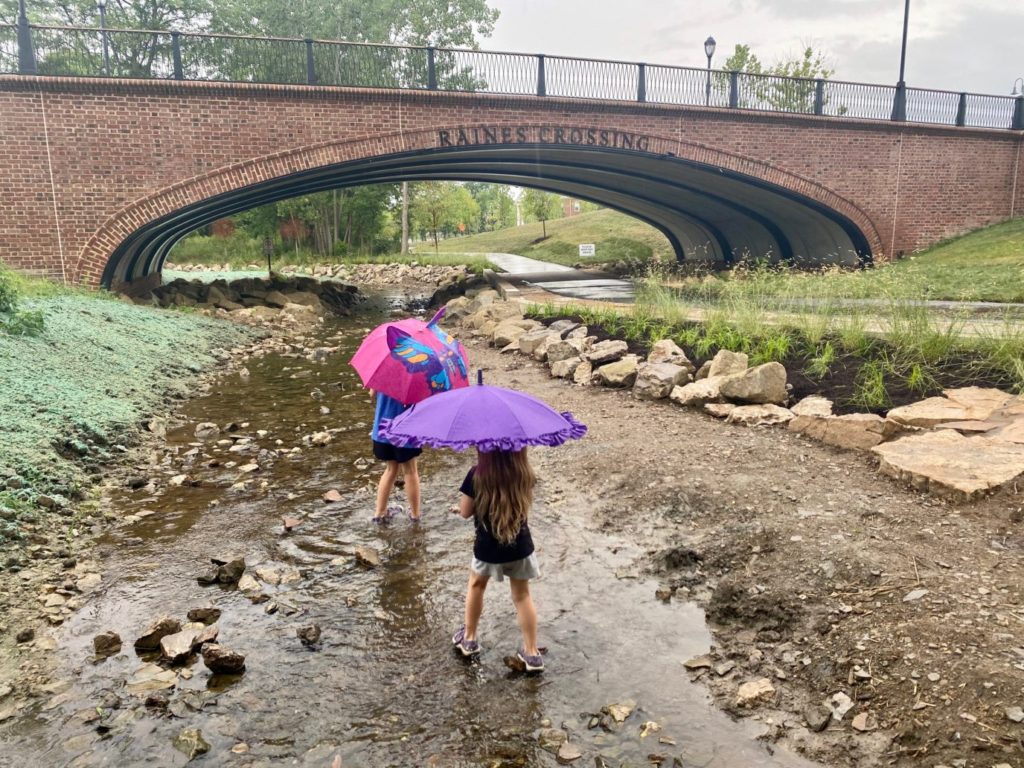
x: 509, y: 330
x: 621, y: 373
x: 763, y: 384
x: 667, y: 351
x: 150, y: 639
x: 565, y: 349
x: 947, y: 463
x: 531, y: 340
x: 697, y: 393
x: 726, y: 363
x: 457, y: 308
x: 563, y: 369
x: 583, y: 373
x: 607, y: 352
x: 813, y: 405
x: 854, y: 431
x: 655, y: 381
x: 758, y: 415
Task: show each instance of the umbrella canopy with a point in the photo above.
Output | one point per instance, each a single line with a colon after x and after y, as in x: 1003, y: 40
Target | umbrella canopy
x: 410, y: 360
x: 487, y: 418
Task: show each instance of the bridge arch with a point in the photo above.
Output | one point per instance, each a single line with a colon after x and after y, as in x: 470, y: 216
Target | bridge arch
x: 711, y: 204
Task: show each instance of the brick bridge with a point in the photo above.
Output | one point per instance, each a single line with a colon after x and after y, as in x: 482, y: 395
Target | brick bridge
x: 99, y: 178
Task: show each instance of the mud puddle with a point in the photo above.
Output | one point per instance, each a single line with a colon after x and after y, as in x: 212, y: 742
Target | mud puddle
x: 383, y: 688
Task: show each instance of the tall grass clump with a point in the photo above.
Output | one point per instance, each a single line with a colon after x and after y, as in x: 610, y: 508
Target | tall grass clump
x: 14, y: 320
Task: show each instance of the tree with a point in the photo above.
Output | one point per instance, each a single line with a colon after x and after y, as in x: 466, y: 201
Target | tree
x: 794, y: 93
x: 438, y: 207
x: 541, y: 206
x: 497, y: 208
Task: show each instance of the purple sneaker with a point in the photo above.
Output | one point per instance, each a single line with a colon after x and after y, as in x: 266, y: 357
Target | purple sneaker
x: 467, y: 648
x: 532, y: 663
x: 389, y: 513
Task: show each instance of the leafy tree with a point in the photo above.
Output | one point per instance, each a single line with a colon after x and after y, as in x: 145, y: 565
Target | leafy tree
x: 541, y: 206
x: 789, y: 95
x: 438, y: 207
x: 497, y: 208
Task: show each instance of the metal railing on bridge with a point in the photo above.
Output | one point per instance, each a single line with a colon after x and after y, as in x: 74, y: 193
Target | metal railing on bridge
x: 131, y: 53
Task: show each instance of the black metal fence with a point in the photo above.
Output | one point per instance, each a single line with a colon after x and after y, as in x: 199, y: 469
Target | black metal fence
x: 124, y: 53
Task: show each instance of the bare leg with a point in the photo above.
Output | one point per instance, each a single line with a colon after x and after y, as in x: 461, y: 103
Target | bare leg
x: 474, y: 603
x: 527, y: 615
x: 387, y: 481
x: 412, y: 486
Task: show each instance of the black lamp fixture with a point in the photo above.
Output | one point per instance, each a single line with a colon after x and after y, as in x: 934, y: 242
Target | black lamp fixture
x: 709, y: 51
x: 101, y: 5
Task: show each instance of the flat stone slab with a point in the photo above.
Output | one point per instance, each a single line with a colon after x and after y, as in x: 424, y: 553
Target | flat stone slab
x: 947, y: 463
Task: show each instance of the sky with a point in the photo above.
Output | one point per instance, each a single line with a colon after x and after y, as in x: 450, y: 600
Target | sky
x: 957, y: 45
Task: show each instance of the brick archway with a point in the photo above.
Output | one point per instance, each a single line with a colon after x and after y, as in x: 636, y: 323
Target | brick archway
x: 93, y: 260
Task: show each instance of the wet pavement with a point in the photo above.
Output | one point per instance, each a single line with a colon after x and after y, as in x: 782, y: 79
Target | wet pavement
x: 384, y: 687
x: 598, y: 288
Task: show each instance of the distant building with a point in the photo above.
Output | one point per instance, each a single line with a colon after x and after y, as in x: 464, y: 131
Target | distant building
x: 570, y: 207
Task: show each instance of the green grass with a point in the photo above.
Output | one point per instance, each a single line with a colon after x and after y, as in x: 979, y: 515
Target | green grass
x: 617, y: 237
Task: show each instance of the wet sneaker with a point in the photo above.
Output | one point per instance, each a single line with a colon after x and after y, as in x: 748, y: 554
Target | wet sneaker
x: 467, y: 648
x: 532, y: 663
x: 408, y: 511
x: 389, y: 513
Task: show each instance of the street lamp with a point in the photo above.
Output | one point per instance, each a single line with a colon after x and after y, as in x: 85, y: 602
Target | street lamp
x: 102, y: 6
x: 899, y: 107
x: 1016, y: 92
x: 709, y: 51
x: 1017, y: 123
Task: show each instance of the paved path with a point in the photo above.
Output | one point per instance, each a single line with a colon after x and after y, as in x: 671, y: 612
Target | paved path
x: 599, y: 288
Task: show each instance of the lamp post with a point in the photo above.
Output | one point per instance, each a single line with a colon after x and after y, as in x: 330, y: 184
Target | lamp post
x: 709, y: 51
x: 899, y: 107
x: 102, y: 6
x: 1015, y: 91
x: 26, y: 54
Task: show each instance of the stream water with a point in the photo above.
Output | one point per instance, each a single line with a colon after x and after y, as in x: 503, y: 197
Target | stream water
x: 384, y: 688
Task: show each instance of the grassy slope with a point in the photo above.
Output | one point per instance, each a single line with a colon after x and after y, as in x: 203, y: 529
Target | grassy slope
x: 71, y: 393
x: 616, y: 236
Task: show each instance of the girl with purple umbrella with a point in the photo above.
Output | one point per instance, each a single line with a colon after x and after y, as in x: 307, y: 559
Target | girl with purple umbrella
x: 498, y: 493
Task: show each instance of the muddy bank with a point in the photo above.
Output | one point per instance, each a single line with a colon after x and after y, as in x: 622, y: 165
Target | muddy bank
x: 829, y: 587
x: 278, y: 292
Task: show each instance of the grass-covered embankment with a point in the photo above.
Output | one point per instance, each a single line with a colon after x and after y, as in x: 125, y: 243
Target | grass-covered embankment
x: 74, y: 390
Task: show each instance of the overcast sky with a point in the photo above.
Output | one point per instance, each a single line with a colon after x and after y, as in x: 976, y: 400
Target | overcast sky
x: 958, y: 45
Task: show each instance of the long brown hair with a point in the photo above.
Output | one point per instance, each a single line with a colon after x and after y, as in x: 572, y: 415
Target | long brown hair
x: 503, y: 484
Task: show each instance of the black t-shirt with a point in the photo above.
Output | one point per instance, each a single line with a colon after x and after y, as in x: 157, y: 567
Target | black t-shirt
x: 489, y: 549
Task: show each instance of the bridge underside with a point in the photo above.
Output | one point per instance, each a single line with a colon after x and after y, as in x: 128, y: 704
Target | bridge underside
x: 709, y: 215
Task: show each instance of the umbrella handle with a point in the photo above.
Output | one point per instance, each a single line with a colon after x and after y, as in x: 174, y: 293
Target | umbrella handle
x: 437, y: 316
x: 480, y: 376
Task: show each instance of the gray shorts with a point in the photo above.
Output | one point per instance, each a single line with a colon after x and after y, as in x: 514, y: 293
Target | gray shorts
x: 523, y: 570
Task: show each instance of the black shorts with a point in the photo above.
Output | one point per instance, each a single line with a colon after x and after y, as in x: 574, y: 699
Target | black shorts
x: 389, y: 452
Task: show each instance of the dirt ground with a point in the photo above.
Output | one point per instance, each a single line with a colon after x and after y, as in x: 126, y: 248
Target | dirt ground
x: 817, y: 574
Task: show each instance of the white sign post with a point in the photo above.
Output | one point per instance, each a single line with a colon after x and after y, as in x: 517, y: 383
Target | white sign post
x: 587, y: 250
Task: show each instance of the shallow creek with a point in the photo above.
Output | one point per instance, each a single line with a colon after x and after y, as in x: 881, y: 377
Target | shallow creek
x: 384, y: 688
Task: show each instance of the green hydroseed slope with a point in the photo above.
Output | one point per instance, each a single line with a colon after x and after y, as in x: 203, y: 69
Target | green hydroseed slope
x: 70, y: 395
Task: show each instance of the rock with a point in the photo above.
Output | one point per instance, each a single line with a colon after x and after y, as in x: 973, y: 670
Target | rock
x: 208, y: 576
x: 622, y: 373
x: 854, y: 431
x: 697, y: 393
x: 947, y: 463
x: 619, y: 712
x: 207, y: 614
x: 276, y: 299
x: 703, y: 371
x: 864, y: 722
x: 290, y: 523
x: 667, y: 351
x: 754, y: 692
x: 530, y: 341
x: 332, y: 496
x: 725, y: 668
x: 759, y: 415
x: 563, y: 327
x: 698, y: 662
x: 206, y: 430
x: 550, y: 739
x: 563, y: 369
x: 607, y: 352
x: 914, y: 594
x: 248, y: 583
x: 88, y: 582
x: 309, y: 635
x: 190, y: 742
x: 726, y: 363
x: 648, y: 728
x: 763, y: 384
x: 1015, y: 714
x: 540, y: 352
x: 583, y: 373
x: 150, y: 639
x: 813, y: 405
x: 509, y: 331
x: 817, y: 717
x: 231, y: 572
x: 568, y: 752
x: 106, y: 644
x: 151, y: 677
x: 177, y: 647
x: 721, y: 410
x: 220, y: 660
x: 367, y: 557
x: 655, y: 381
x: 320, y: 439
x: 840, y: 704
x: 564, y: 350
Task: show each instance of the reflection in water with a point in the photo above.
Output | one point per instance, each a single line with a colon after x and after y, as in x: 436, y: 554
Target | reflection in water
x: 384, y: 688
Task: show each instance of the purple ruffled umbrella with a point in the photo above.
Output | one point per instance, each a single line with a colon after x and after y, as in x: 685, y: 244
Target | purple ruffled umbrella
x: 482, y: 417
